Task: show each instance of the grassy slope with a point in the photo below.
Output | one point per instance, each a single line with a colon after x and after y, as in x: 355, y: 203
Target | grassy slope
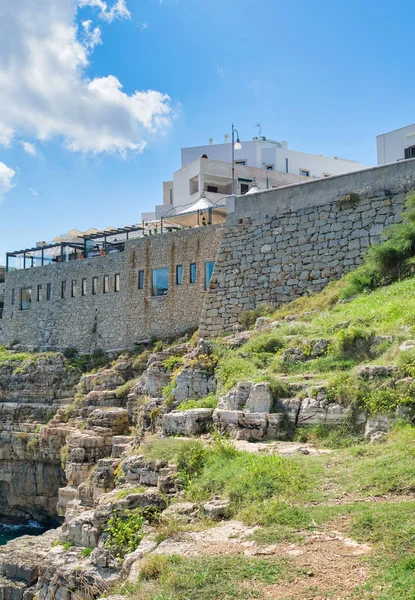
x: 365, y: 491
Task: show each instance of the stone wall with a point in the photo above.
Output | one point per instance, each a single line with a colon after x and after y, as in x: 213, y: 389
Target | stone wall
x: 284, y: 243
x: 116, y: 319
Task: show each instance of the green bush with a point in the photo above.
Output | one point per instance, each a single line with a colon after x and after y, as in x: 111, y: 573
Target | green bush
x: 265, y: 342
x: 210, y: 401
x: 86, y: 552
x: 124, y: 532
x: 354, y: 343
x: 172, y: 362
x: 191, y: 460
x: 388, y: 399
x: 70, y: 352
x: 233, y: 369
x: 122, y: 391
x: 248, y: 318
x: 406, y: 363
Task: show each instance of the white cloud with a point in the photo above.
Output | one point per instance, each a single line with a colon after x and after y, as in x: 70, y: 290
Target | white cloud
x: 91, y: 35
x: 118, y: 10
x: 29, y: 148
x: 143, y: 26
x: 45, y: 92
x: 6, y: 179
x: 34, y: 192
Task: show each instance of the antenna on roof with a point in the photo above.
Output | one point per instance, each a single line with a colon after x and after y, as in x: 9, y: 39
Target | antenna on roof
x: 211, y: 141
x: 259, y: 129
x: 226, y: 138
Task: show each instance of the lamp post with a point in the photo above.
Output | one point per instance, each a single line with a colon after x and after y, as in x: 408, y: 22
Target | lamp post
x: 235, y: 146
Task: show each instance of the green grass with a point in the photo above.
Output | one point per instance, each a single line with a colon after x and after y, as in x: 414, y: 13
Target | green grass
x: 207, y: 578
x: 162, y: 448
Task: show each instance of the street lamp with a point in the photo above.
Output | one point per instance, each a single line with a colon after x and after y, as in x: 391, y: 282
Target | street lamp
x: 235, y: 146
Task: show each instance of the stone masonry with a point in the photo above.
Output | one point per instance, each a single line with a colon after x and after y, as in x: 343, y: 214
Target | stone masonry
x: 292, y: 241
x: 116, y: 319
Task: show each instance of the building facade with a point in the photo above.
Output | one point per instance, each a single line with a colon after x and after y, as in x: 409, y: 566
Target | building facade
x: 396, y: 145
x: 274, y: 156
x: 156, y: 287
x: 214, y: 179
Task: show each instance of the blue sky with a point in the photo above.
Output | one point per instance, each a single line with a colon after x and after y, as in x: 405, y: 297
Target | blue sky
x: 326, y: 76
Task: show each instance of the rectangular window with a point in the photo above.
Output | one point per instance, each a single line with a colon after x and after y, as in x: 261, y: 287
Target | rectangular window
x: 63, y: 289
x: 241, y: 163
x: 39, y: 293
x: 209, y: 266
x: 269, y: 167
x: 160, y: 281
x: 13, y: 296
x: 105, y: 289
x: 48, y: 291
x: 73, y: 288
x: 305, y: 172
x: 94, y: 285
x: 140, y: 280
x: 410, y: 152
x: 117, y: 282
x: 212, y: 188
x: 26, y: 298
x: 192, y: 273
x: 83, y: 287
x: 179, y: 274
x: 244, y: 188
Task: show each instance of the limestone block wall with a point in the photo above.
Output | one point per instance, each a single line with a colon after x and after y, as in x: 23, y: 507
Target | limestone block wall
x: 284, y: 243
x: 116, y: 319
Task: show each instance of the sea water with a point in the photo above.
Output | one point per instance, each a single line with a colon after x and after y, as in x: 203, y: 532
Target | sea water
x: 9, y: 532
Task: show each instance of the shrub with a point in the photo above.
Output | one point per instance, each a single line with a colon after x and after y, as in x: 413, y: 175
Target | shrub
x: 70, y: 352
x: 388, y: 399
x: 86, y: 552
x: 354, y: 343
x: 406, y: 363
x: 248, y: 318
x: 205, y: 362
x: 233, y: 369
x: 172, y: 362
x: 125, y: 532
x: 210, y: 401
x: 266, y: 342
x: 122, y: 391
x: 191, y: 459
x: 140, y: 361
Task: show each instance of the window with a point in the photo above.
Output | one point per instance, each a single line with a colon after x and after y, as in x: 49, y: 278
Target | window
x: 241, y: 163
x: 269, y: 167
x: 94, y: 285
x: 179, y: 274
x: 140, y: 280
x: 26, y: 298
x: 117, y: 282
x: 83, y: 287
x: 305, y: 172
x: 13, y: 296
x: 48, y: 291
x: 209, y: 266
x: 63, y: 289
x: 212, y: 188
x: 410, y: 152
x: 105, y: 289
x: 160, y: 280
x: 192, y: 273
x: 244, y: 188
x: 73, y: 288
x: 39, y: 293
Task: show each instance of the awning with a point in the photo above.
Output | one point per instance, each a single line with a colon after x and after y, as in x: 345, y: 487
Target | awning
x: 201, y: 212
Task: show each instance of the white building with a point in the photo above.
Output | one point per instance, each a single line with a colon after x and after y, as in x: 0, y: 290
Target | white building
x: 209, y: 169
x: 396, y: 145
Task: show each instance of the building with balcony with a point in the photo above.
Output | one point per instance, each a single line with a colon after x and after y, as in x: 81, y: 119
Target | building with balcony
x: 208, y: 170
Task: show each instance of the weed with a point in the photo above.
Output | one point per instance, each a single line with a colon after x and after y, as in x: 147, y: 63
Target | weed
x: 125, y: 532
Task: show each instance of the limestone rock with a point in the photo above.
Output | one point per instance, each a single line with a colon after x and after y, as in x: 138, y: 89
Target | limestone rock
x: 193, y: 383
x: 216, y: 509
x: 373, y: 371
x: 195, y: 421
x: 248, y: 396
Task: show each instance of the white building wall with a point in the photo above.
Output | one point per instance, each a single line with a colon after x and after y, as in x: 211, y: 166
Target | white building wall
x: 391, y: 146
x: 259, y: 153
